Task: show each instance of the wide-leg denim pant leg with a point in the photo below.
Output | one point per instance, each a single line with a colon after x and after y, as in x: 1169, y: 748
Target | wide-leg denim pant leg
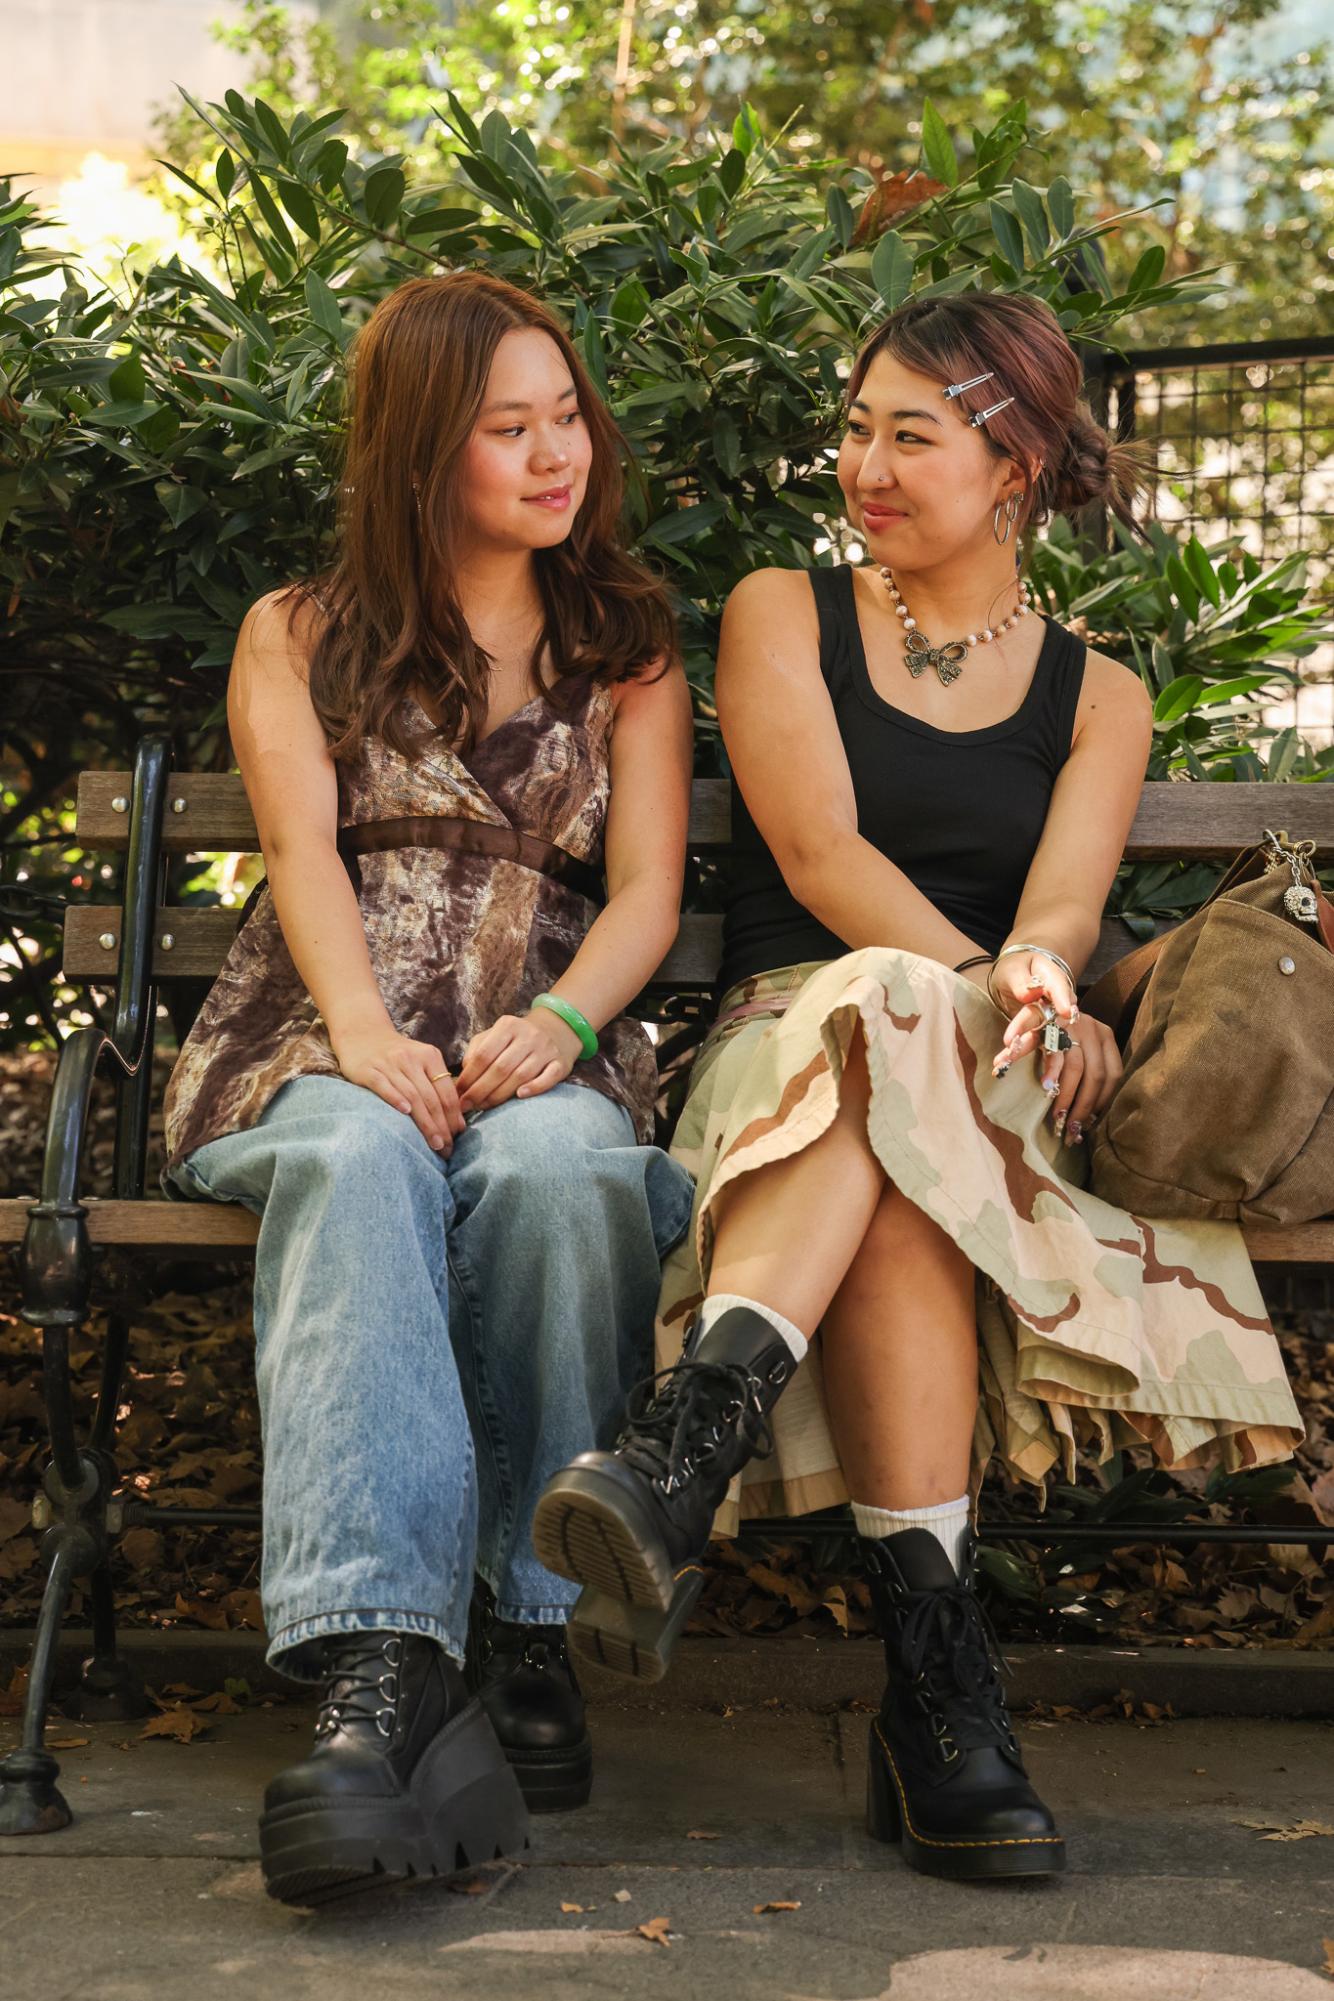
x: 370, y: 1486
x: 560, y: 1221
x: 431, y: 1333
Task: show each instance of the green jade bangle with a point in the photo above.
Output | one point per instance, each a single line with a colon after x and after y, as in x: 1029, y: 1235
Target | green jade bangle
x: 573, y: 1019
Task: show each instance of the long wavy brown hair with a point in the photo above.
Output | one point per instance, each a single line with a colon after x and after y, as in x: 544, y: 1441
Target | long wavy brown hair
x: 389, y: 622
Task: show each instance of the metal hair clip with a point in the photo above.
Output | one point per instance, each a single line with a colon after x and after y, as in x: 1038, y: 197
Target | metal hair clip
x: 982, y: 415
x: 957, y: 388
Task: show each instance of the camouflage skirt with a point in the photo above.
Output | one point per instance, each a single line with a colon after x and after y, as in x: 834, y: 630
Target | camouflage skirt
x: 1095, y: 1327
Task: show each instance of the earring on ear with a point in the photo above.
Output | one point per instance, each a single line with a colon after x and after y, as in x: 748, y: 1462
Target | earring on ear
x: 1007, y: 509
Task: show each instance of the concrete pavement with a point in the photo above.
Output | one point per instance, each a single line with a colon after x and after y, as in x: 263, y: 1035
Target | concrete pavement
x: 154, y: 1892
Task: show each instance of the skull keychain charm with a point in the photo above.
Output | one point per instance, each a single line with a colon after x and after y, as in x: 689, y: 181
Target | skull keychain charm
x: 1299, y: 902
x: 1299, y: 898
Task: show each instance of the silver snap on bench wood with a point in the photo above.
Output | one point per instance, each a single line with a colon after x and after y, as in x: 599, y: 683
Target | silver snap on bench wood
x: 120, y: 804
x: 178, y: 805
x: 107, y: 941
x: 1287, y: 965
x: 166, y: 941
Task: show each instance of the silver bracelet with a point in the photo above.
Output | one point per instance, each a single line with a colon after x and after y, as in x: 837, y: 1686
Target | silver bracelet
x: 1047, y: 953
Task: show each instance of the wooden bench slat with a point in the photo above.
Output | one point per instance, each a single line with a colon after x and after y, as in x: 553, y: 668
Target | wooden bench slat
x: 150, y: 1225
x: 216, y: 819
x: 225, y: 1225
x: 202, y: 936
x: 1197, y: 822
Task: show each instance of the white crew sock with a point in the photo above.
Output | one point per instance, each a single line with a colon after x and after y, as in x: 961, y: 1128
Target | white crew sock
x: 948, y: 1523
x: 719, y: 1303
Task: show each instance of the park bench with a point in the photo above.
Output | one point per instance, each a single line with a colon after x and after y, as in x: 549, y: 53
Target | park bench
x: 147, y: 949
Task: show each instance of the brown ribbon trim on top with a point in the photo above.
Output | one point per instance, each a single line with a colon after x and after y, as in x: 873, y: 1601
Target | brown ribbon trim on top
x: 470, y: 837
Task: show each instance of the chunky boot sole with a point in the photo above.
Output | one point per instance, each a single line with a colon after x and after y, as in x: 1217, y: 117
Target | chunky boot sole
x: 634, y: 1604
x: 554, y: 1781
x: 888, y: 1819
x: 464, y: 1808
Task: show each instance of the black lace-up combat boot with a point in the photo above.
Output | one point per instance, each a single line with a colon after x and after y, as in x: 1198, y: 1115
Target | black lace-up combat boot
x: 526, y: 1680
x: 405, y: 1778
x: 631, y: 1524
x: 946, y: 1775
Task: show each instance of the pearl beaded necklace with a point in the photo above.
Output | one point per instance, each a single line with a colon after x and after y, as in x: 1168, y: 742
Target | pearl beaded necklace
x: 948, y: 659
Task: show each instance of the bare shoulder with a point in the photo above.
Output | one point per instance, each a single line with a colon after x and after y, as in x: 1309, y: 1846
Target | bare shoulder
x: 771, y: 595
x: 280, y: 629
x: 661, y: 689
x: 1113, y: 697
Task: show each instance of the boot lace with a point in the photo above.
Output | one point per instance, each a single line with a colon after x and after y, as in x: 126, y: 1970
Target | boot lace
x: 948, y: 1651
x: 677, y: 1419
x: 354, y: 1692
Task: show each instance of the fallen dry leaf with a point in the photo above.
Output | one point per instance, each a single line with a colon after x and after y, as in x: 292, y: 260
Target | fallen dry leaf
x: 67, y: 1743
x: 220, y: 1704
x: 701, y: 1834
x: 1328, y: 1967
x: 620, y: 1896
x: 779, y: 1905
x: 1296, y: 1830
x: 179, y: 1723
x: 656, y: 1931
x: 567, y: 1908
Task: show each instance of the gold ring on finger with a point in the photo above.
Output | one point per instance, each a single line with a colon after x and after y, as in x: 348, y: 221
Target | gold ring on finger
x: 437, y: 1077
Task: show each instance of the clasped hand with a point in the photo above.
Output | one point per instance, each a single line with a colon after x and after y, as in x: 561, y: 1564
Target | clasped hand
x: 517, y: 1056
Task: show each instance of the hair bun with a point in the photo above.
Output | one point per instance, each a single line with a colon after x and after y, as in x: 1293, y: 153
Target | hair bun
x: 1094, y: 468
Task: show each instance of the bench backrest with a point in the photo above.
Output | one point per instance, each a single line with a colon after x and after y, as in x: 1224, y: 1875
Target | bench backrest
x: 208, y: 813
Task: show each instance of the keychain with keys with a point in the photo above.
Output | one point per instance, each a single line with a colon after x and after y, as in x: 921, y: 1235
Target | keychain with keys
x: 1051, y: 1031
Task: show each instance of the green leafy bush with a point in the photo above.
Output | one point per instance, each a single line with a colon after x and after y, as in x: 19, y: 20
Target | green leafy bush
x: 170, y: 455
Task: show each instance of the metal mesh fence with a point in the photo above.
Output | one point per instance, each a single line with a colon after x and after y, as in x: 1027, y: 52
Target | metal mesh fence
x: 1244, y: 435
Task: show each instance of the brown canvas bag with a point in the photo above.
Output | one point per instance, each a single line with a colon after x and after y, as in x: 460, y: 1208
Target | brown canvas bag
x: 1226, y: 1024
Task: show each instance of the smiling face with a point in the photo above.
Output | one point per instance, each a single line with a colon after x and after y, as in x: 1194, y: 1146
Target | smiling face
x: 525, y: 467
x: 920, y: 483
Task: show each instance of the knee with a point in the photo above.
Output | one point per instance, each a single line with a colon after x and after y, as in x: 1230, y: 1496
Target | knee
x: 357, y: 1151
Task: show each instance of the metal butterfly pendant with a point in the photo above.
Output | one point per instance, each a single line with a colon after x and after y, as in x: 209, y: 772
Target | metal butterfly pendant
x: 947, y: 660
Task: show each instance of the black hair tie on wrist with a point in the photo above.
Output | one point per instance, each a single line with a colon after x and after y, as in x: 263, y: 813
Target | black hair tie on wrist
x: 978, y: 959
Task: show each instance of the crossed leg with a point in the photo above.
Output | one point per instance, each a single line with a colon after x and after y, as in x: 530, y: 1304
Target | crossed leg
x: 826, y: 1240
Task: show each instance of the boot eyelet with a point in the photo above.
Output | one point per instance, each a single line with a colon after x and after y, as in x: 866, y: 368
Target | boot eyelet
x: 395, y: 1657
x: 389, y: 1694
x: 385, y: 1728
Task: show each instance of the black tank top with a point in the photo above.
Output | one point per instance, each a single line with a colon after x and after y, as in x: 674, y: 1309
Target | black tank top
x: 961, y: 812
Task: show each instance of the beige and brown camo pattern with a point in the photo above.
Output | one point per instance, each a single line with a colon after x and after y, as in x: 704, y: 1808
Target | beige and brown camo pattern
x: 455, y: 940
x: 1094, y: 1326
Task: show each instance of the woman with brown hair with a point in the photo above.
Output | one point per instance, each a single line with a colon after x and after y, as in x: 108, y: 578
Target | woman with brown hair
x: 933, y: 789
x: 415, y: 1067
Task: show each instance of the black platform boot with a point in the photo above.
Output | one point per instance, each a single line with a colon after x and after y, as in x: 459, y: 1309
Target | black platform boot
x: 527, y: 1684
x: 406, y: 1777
x: 946, y: 1774
x: 631, y: 1524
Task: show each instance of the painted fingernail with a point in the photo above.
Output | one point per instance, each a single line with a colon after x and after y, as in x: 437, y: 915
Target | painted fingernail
x: 1004, y: 1070
x: 1059, y: 1121
x: 1051, y: 1086
x: 1074, y: 1135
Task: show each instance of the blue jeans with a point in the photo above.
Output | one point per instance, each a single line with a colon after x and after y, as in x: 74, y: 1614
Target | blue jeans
x: 434, y: 1337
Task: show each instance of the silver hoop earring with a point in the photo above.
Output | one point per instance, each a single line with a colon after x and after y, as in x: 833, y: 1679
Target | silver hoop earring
x: 1009, y: 509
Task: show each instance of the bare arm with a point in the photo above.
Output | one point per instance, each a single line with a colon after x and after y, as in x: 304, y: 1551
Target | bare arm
x: 783, y: 740
x: 1092, y: 806
x: 645, y: 849
x: 292, y: 785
